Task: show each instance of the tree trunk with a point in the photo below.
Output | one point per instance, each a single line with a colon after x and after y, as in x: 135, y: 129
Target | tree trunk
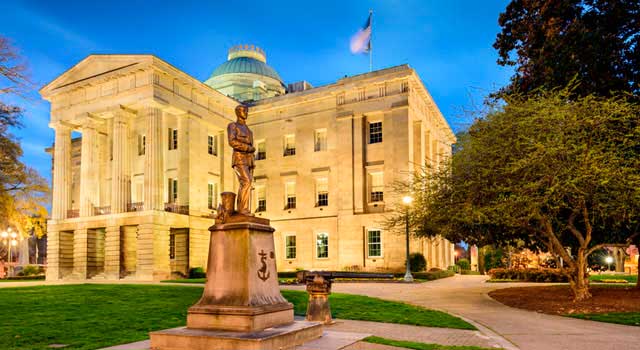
x: 579, y: 280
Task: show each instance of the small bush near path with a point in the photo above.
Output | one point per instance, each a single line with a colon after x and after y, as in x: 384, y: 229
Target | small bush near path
x: 464, y: 264
x: 417, y: 262
x: 469, y: 272
x: 615, y: 301
x: 93, y: 316
x: 419, y: 346
x: 530, y: 275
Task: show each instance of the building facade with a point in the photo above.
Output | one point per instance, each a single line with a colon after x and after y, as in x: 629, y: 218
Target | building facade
x: 140, y: 158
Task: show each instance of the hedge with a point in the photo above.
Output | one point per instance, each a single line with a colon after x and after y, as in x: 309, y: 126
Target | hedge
x: 430, y: 276
x: 529, y: 275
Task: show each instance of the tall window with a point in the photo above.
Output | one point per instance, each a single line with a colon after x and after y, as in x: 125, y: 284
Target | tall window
x: 322, y: 192
x: 361, y: 95
x: 290, y: 246
x: 172, y: 246
x: 320, y: 140
x: 289, y: 145
x: 212, y: 195
x: 261, y: 150
x: 142, y: 144
x: 340, y: 99
x: 374, y: 243
x: 261, y: 198
x: 375, y: 132
x: 173, y: 190
x: 212, y: 145
x: 322, y: 245
x: 290, y: 195
x: 377, y: 187
x: 173, y: 139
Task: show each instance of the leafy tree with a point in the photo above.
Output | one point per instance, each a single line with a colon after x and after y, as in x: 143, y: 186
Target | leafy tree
x: 23, y: 192
x: 541, y: 172
x: 552, y: 42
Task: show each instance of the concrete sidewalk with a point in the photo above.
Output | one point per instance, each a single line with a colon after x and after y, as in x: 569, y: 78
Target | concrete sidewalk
x: 467, y: 296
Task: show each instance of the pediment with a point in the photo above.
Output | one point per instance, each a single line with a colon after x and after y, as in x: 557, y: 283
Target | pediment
x: 94, y: 66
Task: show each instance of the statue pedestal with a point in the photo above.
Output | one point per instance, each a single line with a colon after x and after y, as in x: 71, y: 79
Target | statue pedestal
x: 241, y: 302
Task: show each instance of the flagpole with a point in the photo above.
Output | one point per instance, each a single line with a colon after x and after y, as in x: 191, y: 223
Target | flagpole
x: 371, y: 43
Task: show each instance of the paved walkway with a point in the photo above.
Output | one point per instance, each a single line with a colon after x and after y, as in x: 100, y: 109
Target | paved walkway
x: 466, y: 296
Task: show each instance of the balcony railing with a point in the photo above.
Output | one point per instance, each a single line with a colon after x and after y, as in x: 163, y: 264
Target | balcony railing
x: 106, y: 210
x: 135, y: 206
x: 177, y: 208
x: 73, y: 213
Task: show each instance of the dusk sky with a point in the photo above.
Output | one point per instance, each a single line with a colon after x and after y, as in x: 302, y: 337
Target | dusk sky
x: 449, y: 44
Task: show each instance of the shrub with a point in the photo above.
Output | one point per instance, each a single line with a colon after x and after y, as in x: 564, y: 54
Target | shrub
x: 418, y: 262
x: 197, y: 272
x: 433, y: 275
x: 31, y: 270
x: 287, y: 274
x: 453, y: 268
x: 464, y: 264
x: 529, y: 275
x: 469, y: 272
x: 435, y: 269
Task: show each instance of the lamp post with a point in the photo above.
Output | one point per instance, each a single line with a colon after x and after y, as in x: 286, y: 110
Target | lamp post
x: 10, y: 243
x: 609, y: 260
x: 406, y: 200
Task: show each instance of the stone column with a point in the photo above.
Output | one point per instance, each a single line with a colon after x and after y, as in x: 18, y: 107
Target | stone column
x: 184, y: 152
x: 61, y: 172
x: 359, y: 177
x: 80, y: 237
x: 88, y: 188
x: 120, y: 180
x: 112, y: 252
x: 154, y: 170
x: 53, y: 255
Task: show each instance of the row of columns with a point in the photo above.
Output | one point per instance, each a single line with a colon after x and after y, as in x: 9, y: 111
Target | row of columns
x: 439, y: 252
x: 120, y: 169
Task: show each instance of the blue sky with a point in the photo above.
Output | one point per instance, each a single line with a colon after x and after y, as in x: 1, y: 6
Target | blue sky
x: 449, y: 43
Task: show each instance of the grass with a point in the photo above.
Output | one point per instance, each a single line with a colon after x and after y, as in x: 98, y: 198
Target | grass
x: 187, y: 280
x: 359, y: 307
x: 600, y: 278
x: 91, y: 316
x: 419, y: 346
x: 625, y: 318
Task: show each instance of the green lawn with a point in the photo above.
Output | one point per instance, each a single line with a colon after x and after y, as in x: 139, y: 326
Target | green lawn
x: 92, y: 316
x: 419, y: 346
x: 626, y: 318
x: 359, y: 307
x: 628, y: 278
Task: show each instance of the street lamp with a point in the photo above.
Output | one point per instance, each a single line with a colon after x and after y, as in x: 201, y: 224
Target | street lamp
x: 10, y: 243
x: 407, y: 200
x: 608, y: 260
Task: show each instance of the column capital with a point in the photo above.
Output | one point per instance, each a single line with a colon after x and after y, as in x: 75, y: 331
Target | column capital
x: 61, y: 126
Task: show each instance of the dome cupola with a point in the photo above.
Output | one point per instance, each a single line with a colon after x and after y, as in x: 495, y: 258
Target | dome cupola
x: 246, y: 76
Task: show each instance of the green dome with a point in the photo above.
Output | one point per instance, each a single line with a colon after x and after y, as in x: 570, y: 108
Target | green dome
x: 246, y: 65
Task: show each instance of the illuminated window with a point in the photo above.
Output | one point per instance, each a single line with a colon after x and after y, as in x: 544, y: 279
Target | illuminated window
x: 289, y: 145
x: 374, y: 243
x: 320, y: 140
x: 212, y: 195
x: 376, y: 187
x: 290, y: 246
x: 212, y: 145
x: 261, y: 198
x: 261, y: 150
x: 322, y: 245
x: 322, y: 192
x: 173, y: 190
x: 375, y: 132
x: 290, y: 195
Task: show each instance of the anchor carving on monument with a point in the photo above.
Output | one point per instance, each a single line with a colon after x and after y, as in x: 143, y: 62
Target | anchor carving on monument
x: 263, y: 273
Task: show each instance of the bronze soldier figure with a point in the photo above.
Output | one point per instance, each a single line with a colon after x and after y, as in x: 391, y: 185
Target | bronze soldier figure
x: 242, y: 161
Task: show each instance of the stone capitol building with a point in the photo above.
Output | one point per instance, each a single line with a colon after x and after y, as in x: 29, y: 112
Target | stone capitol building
x: 140, y: 158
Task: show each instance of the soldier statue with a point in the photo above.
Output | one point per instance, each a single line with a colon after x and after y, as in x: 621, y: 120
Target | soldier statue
x: 242, y: 161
